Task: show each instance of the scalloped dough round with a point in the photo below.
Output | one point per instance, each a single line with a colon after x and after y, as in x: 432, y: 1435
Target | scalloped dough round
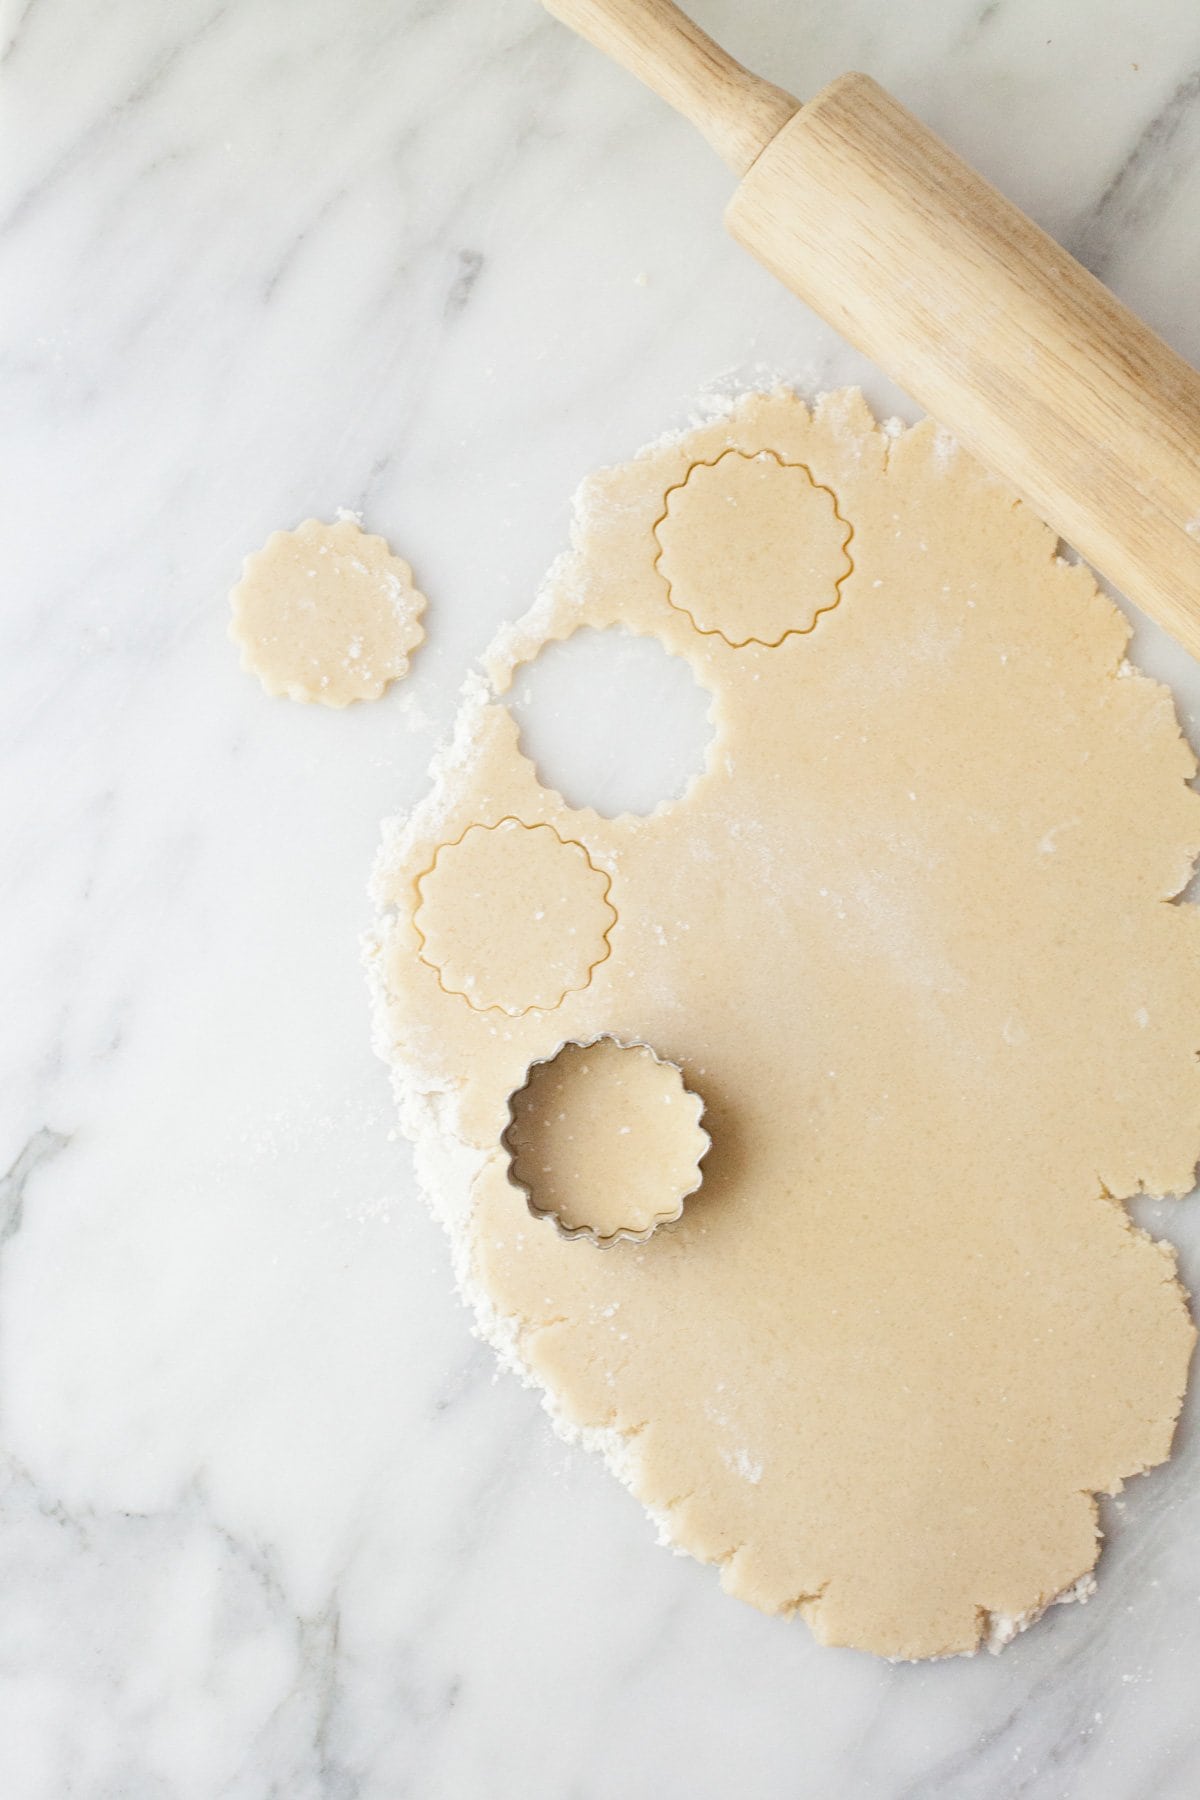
x: 505, y: 961
x: 752, y: 548
x: 326, y: 613
x: 907, y: 938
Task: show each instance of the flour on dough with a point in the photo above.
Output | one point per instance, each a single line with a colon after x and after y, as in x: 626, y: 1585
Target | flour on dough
x: 908, y: 936
x: 326, y: 613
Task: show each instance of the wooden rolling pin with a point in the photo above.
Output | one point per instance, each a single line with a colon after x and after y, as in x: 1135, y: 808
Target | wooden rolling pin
x: 1025, y: 357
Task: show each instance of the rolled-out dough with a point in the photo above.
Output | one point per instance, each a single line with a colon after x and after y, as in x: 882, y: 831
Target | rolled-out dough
x: 326, y: 613
x: 909, y: 935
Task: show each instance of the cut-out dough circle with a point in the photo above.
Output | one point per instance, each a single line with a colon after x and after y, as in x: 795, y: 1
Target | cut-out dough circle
x: 326, y: 613
x: 907, y: 934
x: 752, y: 548
x: 513, y: 917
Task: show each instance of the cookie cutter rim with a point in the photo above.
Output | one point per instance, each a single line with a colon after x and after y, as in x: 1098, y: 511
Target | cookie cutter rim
x: 622, y: 1234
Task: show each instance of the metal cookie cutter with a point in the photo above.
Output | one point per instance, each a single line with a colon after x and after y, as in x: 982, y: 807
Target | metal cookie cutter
x: 607, y: 1146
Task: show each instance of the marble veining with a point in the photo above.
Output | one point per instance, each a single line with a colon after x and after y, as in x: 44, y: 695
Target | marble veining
x: 270, y: 1524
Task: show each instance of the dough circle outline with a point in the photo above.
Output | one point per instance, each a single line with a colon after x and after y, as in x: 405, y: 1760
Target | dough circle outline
x: 820, y: 487
x: 454, y: 981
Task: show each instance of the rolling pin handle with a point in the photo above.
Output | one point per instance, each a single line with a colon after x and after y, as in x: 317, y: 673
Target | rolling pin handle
x: 736, y: 111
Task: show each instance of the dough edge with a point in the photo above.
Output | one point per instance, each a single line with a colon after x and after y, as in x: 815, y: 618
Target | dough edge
x: 445, y: 1164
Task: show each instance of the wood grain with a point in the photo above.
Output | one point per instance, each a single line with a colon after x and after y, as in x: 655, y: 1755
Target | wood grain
x: 994, y: 328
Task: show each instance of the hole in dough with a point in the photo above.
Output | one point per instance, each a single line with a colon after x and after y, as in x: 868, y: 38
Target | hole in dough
x: 612, y: 721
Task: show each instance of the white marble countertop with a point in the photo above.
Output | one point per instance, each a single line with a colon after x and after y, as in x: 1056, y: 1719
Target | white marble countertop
x: 269, y: 1524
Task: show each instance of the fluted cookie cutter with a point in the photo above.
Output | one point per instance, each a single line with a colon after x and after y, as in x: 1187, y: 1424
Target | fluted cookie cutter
x: 682, y: 1173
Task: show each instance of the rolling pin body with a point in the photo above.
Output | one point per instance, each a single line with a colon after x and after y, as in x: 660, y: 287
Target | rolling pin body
x: 999, y: 333
x: 994, y: 329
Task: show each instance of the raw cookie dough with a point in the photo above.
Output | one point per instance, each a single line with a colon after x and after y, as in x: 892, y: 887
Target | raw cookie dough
x: 326, y: 613
x: 746, y: 545
x: 606, y: 1139
x: 908, y: 934
x: 470, y: 943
